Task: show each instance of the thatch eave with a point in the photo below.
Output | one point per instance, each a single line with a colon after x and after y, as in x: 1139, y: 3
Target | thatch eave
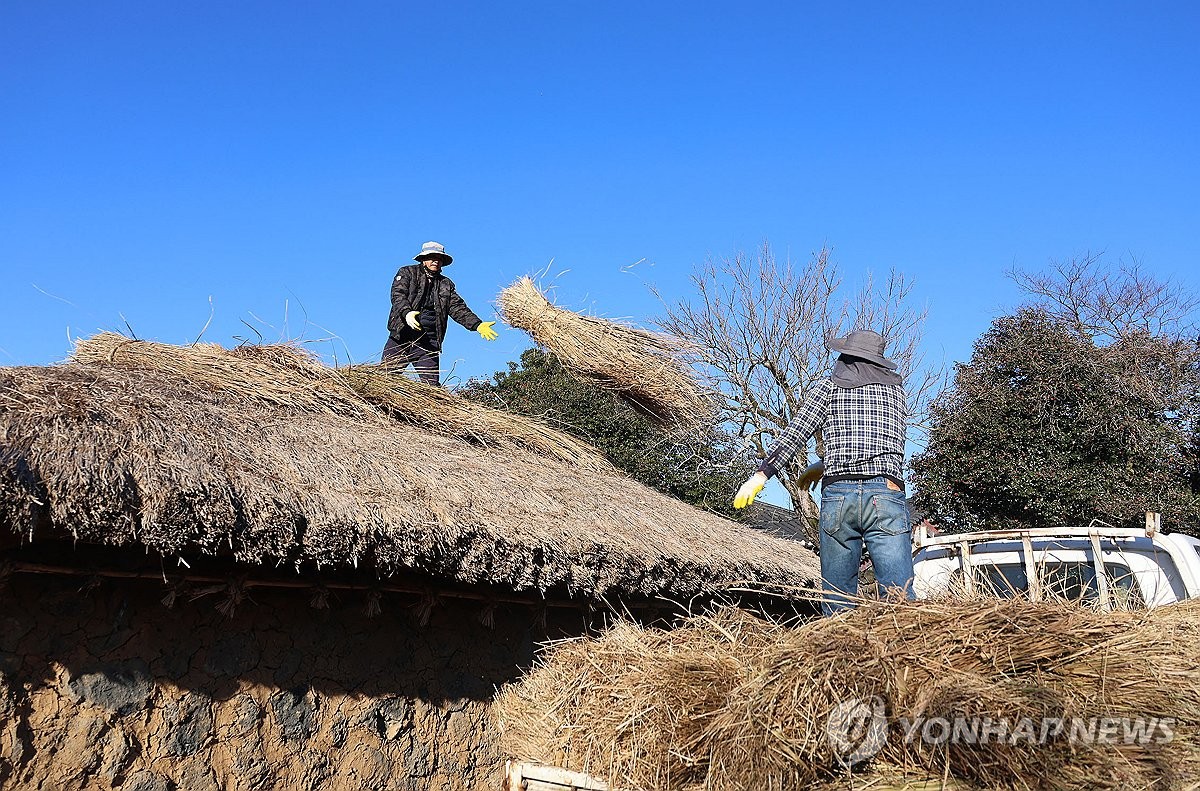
x: 136, y: 455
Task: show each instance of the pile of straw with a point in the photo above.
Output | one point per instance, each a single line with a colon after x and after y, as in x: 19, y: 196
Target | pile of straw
x: 287, y: 376
x: 646, y: 369
x: 729, y: 703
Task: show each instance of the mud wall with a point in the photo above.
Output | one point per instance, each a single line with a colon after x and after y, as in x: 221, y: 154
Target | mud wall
x: 110, y: 689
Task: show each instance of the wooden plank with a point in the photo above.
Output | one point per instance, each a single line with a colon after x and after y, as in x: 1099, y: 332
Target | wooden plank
x: 1101, y: 574
x: 533, y: 784
x: 524, y: 776
x: 982, y: 536
x: 968, y: 568
x: 1033, y: 582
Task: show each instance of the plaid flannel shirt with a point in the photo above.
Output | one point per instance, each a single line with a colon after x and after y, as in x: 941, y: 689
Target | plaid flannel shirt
x: 863, y: 429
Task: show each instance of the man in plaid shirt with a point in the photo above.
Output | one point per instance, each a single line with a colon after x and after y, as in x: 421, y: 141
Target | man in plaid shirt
x: 861, y: 413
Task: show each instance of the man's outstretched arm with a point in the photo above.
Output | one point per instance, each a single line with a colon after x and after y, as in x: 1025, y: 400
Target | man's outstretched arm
x: 792, y: 440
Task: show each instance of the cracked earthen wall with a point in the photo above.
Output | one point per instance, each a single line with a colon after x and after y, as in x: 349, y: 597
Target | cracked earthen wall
x: 112, y: 690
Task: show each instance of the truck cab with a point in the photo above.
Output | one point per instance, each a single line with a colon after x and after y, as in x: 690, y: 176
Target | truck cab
x: 1100, y: 566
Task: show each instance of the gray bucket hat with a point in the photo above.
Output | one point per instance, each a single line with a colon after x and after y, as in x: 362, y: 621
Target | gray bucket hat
x: 865, y: 344
x: 431, y: 249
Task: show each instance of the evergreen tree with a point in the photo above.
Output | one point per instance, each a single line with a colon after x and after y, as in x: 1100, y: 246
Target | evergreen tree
x: 702, y: 470
x: 1045, y: 427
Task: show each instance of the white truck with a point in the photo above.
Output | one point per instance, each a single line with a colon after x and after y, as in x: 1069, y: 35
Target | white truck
x: 1107, y: 567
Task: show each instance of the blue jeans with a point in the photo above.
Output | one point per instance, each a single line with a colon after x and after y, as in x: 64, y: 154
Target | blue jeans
x: 854, y: 512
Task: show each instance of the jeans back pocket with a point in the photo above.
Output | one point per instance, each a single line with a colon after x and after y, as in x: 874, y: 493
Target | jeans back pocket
x: 891, y: 513
x: 832, y: 506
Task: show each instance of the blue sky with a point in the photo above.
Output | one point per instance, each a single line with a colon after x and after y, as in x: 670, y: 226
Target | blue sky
x: 283, y: 159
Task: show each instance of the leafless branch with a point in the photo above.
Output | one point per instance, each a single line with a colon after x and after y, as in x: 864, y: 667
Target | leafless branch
x: 1104, y: 303
x: 761, y: 325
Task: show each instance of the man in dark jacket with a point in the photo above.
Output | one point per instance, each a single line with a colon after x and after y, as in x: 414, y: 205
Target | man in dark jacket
x: 423, y: 300
x: 862, y: 415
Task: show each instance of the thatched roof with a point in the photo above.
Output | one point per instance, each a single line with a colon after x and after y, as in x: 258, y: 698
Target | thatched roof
x: 266, y: 455
x: 782, y: 522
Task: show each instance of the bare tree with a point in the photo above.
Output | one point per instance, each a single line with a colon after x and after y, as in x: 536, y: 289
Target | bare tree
x: 1104, y: 303
x: 760, y: 326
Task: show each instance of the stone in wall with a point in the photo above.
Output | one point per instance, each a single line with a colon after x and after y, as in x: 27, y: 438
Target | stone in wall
x: 119, y: 687
x: 188, y: 724
x: 142, y: 780
x: 295, y: 714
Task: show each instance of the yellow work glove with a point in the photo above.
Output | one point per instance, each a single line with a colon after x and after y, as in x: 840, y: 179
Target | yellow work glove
x: 750, y: 490
x: 410, y: 319
x: 485, y: 329
x: 812, y: 475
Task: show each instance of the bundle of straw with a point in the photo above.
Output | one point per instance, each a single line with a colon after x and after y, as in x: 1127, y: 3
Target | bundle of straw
x: 447, y: 414
x: 634, y: 704
x: 286, y: 376
x: 278, y: 375
x: 701, y: 707
x: 646, y: 369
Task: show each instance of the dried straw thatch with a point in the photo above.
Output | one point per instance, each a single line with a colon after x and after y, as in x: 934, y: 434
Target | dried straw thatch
x: 646, y: 369
x: 282, y: 376
x: 731, y: 703
x: 264, y: 454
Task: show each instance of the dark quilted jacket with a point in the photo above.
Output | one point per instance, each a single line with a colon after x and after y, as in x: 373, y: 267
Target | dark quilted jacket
x: 446, y: 304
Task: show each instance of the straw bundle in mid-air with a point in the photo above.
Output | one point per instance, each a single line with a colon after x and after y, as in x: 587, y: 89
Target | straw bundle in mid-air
x: 647, y: 369
x: 710, y: 706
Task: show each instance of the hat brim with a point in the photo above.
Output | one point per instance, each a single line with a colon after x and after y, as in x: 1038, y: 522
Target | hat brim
x: 446, y: 260
x: 839, y: 345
